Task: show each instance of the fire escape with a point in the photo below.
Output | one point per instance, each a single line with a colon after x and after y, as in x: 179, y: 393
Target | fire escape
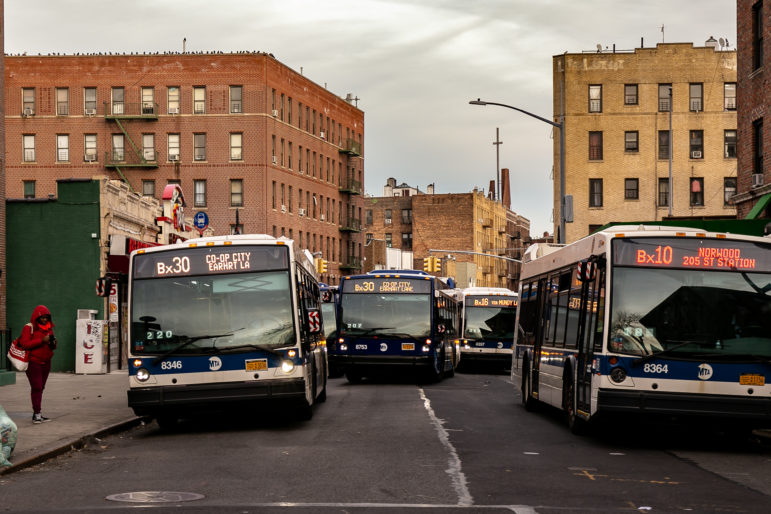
x: 122, y: 157
x: 350, y: 186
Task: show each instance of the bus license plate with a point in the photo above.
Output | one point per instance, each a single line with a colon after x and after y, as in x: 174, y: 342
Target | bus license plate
x: 257, y: 365
x: 752, y: 380
x: 408, y: 346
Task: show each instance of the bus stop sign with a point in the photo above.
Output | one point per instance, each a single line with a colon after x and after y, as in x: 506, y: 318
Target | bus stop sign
x: 201, y: 220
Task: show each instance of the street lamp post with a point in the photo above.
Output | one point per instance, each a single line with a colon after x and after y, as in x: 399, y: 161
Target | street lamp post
x: 561, y: 127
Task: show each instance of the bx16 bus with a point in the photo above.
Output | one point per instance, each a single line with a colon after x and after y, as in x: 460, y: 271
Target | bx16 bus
x: 222, y: 322
x: 648, y: 320
x: 397, y: 320
x: 489, y: 315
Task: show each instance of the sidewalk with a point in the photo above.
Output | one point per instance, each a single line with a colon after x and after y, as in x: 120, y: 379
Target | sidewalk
x: 80, y: 406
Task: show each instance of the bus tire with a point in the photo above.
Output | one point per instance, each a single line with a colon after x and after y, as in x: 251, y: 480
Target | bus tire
x: 436, y: 367
x: 576, y: 424
x: 305, y: 411
x: 451, y: 372
x: 528, y: 402
x: 322, y: 397
x: 167, y: 422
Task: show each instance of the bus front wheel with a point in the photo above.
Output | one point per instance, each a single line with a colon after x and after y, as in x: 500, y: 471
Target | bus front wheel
x: 527, y: 388
x: 576, y: 424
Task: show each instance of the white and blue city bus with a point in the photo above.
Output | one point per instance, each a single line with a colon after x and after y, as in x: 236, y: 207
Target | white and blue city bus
x: 222, y: 322
x: 489, y: 316
x: 648, y: 320
x: 396, y: 320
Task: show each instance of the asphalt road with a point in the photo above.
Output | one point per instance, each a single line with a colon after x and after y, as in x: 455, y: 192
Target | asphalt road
x: 463, y: 445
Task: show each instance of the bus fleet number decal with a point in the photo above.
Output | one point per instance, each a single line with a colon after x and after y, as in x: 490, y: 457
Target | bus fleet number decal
x: 656, y: 368
x: 171, y: 365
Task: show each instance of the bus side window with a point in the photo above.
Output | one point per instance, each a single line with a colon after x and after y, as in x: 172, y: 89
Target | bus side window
x: 600, y: 329
x: 573, y: 311
x: 528, y: 311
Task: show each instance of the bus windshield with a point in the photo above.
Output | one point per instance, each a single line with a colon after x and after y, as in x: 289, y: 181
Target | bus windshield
x: 208, y: 314
x: 329, y: 317
x: 399, y: 315
x: 691, y: 313
x: 490, y: 323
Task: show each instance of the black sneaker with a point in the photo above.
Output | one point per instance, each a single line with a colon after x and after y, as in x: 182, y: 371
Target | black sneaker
x: 38, y: 418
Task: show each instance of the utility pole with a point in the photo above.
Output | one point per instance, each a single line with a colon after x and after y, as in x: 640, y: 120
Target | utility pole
x: 498, y: 144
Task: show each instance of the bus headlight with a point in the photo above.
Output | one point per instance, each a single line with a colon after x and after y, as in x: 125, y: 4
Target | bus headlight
x: 618, y: 375
x: 142, y: 375
x: 287, y: 366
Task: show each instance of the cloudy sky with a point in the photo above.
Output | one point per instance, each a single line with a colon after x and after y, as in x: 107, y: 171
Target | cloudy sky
x: 414, y: 65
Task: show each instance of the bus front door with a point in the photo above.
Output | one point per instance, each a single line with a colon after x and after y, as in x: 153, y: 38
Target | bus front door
x: 585, y: 355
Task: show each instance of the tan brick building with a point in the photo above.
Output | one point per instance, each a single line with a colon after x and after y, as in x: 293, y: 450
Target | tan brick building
x: 617, y: 122
x: 245, y: 136
x: 753, y: 24
x: 407, y: 218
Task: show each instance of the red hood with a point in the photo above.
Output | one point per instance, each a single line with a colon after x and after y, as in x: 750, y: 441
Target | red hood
x: 40, y: 310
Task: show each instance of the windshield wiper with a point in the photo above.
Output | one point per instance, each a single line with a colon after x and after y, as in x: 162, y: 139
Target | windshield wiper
x: 272, y: 351
x: 185, y: 342
x: 365, y: 331
x: 666, y: 351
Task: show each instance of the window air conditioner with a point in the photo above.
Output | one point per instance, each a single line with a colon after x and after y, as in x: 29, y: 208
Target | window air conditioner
x: 283, y: 208
x: 323, y: 217
x: 28, y: 111
x: 90, y: 112
x: 321, y: 134
x: 275, y: 160
x: 696, y: 154
x: 90, y: 157
x: 757, y: 179
x: 174, y: 157
x: 388, y: 221
x: 301, y: 211
x: 275, y: 113
x: 173, y: 110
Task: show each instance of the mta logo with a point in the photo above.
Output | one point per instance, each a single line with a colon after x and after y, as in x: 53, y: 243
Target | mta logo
x: 705, y: 372
x: 214, y: 363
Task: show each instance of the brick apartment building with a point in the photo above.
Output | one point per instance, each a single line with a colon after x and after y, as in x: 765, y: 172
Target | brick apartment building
x: 753, y: 27
x: 255, y: 145
x: 406, y: 218
x: 617, y: 107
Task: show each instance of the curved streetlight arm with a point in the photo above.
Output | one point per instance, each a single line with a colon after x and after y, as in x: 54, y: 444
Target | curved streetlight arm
x: 483, y: 102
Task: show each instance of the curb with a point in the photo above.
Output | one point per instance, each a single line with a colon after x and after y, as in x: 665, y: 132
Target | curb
x: 75, y: 444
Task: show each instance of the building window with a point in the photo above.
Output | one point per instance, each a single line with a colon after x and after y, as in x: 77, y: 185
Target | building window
x: 729, y: 144
x: 200, y: 193
x: 273, y: 195
x: 236, y: 193
x: 388, y: 219
x: 388, y: 240
x: 696, y: 97
x: 28, y: 101
x: 594, y: 228
x: 148, y: 147
x: 117, y: 148
x: 697, y: 191
x: 729, y: 190
x: 117, y: 100
x: 631, y: 141
x: 148, y: 100
x: 235, y: 100
x: 89, y: 100
x: 663, y: 192
x: 368, y: 217
x: 199, y: 100
x: 595, y: 146
x: 729, y: 96
x: 406, y: 216
x: 199, y: 147
x: 664, y: 146
x: 173, y: 150
x: 172, y: 100
x: 631, y: 189
x: 89, y: 147
x: 630, y: 94
x: 62, y: 101
x: 595, y: 98
x: 148, y: 188
x: 696, y: 144
x: 757, y: 146
x: 406, y: 240
x: 665, y: 97
x: 29, y: 189
x: 757, y: 35
x: 236, y: 142
x: 29, y: 147
x: 595, y: 192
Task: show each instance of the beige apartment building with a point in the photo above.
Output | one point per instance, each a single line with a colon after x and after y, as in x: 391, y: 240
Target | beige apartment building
x: 618, y: 108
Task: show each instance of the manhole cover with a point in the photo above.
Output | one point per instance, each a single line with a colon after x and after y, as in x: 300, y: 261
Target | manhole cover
x: 155, y: 497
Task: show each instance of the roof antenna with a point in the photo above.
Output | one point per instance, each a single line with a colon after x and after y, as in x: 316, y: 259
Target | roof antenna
x: 184, y: 40
x: 662, y: 32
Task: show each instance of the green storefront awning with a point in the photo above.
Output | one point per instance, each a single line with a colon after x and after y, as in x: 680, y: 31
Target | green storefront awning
x: 762, y: 203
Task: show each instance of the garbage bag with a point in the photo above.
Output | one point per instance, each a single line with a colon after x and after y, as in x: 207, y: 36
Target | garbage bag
x: 8, y: 433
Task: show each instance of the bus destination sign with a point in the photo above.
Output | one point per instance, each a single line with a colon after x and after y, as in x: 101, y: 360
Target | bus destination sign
x: 687, y: 253
x: 386, y: 285
x: 214, y: 260
x: 491, y: 301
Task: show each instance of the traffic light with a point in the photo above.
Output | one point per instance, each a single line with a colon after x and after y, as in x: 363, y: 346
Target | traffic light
x: 323, y: 266
x: 428, y: 264
x: 437, y: 268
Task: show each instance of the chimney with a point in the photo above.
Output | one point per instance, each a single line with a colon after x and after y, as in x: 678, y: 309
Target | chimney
x: 430, y: 189
x: 505, y: 188
x: 491, y: 191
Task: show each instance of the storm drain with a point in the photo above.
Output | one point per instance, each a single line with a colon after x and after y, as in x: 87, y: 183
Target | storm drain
x: 155, y: 497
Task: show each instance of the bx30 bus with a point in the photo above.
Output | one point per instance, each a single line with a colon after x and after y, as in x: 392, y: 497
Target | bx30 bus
x: 222, y: 322
x: 648, y: 320
x: 395, y: 320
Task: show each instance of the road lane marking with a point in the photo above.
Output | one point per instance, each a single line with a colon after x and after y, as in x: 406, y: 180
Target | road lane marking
x: 457, y: 477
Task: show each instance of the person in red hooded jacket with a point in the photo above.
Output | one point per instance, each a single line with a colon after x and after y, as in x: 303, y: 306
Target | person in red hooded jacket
x: 38, y: 338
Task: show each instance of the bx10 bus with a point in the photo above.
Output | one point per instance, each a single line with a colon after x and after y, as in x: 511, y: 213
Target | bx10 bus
x: 397, y: 320
x: 648, y: 320
x: 223, y: 322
